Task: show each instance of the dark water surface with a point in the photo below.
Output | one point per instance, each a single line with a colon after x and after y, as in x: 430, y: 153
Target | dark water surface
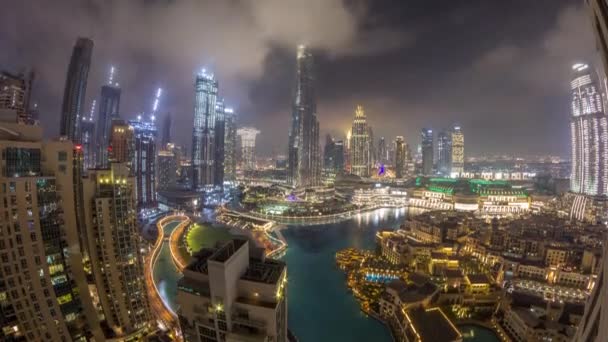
x: 320, y: 306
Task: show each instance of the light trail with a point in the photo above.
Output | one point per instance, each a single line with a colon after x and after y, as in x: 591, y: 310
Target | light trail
x: 173, y: 241
x: 167, y: 317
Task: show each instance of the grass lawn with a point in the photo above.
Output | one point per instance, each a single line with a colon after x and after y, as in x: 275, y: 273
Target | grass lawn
x: 201, y: 236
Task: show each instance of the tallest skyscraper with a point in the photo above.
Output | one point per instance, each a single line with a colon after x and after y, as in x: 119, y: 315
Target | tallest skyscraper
x: 75, y: 89
x: 304, y: 167
x: 589, y: 129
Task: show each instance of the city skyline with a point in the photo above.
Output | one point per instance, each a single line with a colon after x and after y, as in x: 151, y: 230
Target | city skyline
x: 374, y: 214
x: 258, y: 89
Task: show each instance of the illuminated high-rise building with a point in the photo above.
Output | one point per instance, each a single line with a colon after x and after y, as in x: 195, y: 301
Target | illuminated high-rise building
x: 109, y: 106
x: 382, y: 152
x: 230, y: 145
x: 74, y: 93
x: 203, y: 137
x: 166, y: 135
x: 43, y: 287
x: 15, y: 94
x: 593, y: 326
x: 88, y: 138
x: 410, y: 163
x: 168, y: 168
x: 589, y: 132
x: 427, y: 151
x: 143, y: 165
x: 304, y: 158
x: 122, y: 142
x: 115, y: 250
x: 219, y: 139
x: 457, y: 152
x: 247, y: 137
x: 333, y: 159
x: 360, y: 145
x: 400, y: 157
x: 444, y: 153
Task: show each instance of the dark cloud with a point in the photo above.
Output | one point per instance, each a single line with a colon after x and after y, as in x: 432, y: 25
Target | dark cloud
x: 501, y: 69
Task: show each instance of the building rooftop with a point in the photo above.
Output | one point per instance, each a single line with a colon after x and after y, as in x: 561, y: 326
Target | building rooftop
x: 264, y: 271
x: 457, y: 273
x: 478, y: 278
x: 433, y: 325
x: 260, y: 269
x: 199, y: 260
x: 527, y: 300
x: 410, y: 293
x: 227, y: 250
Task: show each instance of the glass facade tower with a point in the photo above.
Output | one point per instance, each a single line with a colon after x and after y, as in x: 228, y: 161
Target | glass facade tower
x: 427, y: 151
x: 203, y: 152
x: 75, y: 89
x: 444, y: 153
x: 589, y: 133
x: 304, y: 165
x: 109, y: 104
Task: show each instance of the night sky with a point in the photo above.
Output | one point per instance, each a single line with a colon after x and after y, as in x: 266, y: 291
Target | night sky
x: 499, y: 68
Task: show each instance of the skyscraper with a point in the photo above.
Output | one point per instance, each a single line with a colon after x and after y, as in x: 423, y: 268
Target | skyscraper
x: 168, y: 167
x: 75, y: 89
x: 304, y: 165
x: 166, y: 138
x: 247, y: 136
x: 233, y: 293
x: 399, y: 157
x: 109, y: 106
x: 599, y: 20
x: 589, y: 132
x: 122, y: 142
x: 427, y: 151
x: 219, y: 136
x: 15, y: 94
x: 339, y: 159
x: 360, y: 146
x: 115, y: 249
x: 230, y: 144
x: 444, y: 153
x: 457, y: 152
x: 594, y: 324
x: 88, y: 138
x: 333, y: 159
x: 43, y: 287
x: 143, y: 166
x: 206, y: 89
x: 382, y: 151
x: 410, y: 164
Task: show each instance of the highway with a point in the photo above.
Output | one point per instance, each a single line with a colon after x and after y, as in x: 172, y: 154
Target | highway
x: 166, y: 316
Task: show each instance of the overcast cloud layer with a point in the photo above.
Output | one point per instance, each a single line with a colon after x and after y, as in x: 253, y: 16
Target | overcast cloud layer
x: 500, y: 69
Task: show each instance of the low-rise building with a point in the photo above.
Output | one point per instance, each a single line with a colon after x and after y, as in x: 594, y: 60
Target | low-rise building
x: 233, y: 293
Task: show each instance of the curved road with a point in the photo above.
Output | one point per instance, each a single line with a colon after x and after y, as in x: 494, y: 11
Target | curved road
x: 165, y: 273
x: 162, y: 275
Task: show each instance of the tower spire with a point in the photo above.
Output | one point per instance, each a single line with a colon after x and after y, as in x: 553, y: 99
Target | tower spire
x: 159, y: 92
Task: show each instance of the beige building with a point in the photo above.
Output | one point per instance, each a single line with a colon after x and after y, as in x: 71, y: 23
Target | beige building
x: 556, y: 256
x: 114, y: 247
x: 233, y: 293
x: 43, y: 289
